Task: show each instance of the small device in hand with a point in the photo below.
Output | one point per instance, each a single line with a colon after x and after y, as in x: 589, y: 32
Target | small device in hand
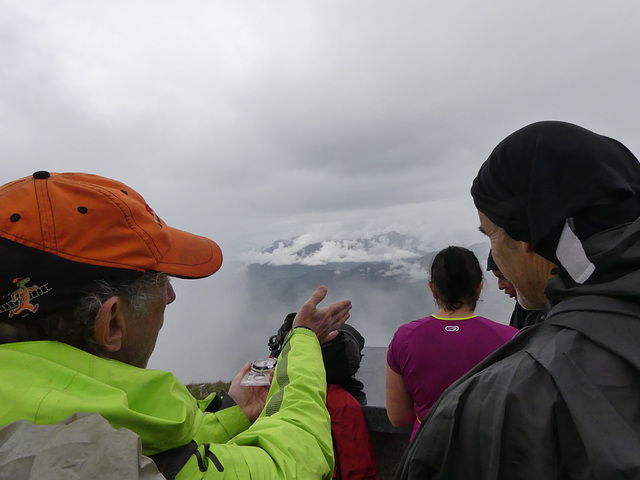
x: 260, y: 373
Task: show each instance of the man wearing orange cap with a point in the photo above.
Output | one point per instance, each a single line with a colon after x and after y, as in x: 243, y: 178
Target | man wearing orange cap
x: 84, y: 285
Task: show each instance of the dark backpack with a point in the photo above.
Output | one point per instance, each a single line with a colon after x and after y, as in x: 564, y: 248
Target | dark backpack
x: 341, y: 356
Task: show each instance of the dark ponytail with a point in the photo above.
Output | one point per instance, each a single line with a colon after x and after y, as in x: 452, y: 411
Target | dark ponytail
x: 456, y: 276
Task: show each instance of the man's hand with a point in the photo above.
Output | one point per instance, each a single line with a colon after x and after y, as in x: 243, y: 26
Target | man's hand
x: 250, y: 399
x: 324, y: 322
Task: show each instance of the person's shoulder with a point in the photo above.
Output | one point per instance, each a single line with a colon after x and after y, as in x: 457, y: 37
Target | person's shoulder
x: 410, y: 326
x: 497, y: 326
x: 409, y: 330
x: 488, y: 321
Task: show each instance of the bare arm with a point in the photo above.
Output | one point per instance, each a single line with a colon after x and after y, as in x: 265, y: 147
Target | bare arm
x: 399, y: 401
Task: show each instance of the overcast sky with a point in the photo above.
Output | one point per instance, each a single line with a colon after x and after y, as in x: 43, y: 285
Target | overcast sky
x: 253, y: 121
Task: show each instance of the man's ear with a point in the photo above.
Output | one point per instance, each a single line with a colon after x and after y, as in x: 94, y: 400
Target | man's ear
x: 110, y: 326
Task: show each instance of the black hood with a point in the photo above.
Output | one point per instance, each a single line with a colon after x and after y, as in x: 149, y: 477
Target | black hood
x: 548, y: 172
x: 615, y: 254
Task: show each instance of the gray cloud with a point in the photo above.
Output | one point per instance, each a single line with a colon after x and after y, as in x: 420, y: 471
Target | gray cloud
x: 254, y: 121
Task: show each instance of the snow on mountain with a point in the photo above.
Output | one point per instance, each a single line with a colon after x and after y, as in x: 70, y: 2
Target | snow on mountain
x: 388, y: 247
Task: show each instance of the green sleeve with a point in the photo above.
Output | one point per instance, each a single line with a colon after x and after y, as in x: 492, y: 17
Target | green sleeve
x: 222, y: 426
x: 292, y: 436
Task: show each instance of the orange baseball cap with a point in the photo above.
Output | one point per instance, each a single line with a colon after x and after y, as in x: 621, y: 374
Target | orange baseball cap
x: 93, y: 220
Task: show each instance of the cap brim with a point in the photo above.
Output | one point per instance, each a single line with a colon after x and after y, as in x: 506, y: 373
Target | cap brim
x: 190, y: 256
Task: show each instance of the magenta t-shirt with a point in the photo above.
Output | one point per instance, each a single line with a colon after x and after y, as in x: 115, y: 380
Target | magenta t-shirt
x: 432, y: 353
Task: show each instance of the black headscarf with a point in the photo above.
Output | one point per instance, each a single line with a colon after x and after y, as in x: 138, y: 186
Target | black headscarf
x: 548, y: 172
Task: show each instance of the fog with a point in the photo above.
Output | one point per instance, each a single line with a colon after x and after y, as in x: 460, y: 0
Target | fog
x: 252, y: 121
x: 243, y: 312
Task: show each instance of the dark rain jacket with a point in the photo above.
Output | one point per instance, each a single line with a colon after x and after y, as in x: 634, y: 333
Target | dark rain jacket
x: 521, y: 318
x: 559, y: 401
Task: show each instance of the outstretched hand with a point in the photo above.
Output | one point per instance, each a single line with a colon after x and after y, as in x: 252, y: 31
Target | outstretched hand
x: 324, y: 322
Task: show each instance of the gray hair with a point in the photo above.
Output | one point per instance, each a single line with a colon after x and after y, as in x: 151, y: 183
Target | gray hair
x: 75, y: 326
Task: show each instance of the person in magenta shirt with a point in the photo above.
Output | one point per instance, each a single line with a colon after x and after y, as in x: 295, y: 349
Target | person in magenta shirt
x: 426, y: 356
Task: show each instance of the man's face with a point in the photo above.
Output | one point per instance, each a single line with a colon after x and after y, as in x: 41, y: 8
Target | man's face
x: 504, y: 284
x: 525, y: 269
x: 142, y: 333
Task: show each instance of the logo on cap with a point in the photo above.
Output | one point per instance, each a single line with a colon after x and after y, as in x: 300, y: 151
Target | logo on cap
x: 153, y: 214
x: 21, y: 298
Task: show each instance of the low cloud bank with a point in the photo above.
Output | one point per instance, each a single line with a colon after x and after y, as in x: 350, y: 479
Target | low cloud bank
x: 306, y: 250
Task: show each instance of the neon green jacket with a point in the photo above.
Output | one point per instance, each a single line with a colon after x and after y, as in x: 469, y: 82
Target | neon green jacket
x: 45, y: 382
